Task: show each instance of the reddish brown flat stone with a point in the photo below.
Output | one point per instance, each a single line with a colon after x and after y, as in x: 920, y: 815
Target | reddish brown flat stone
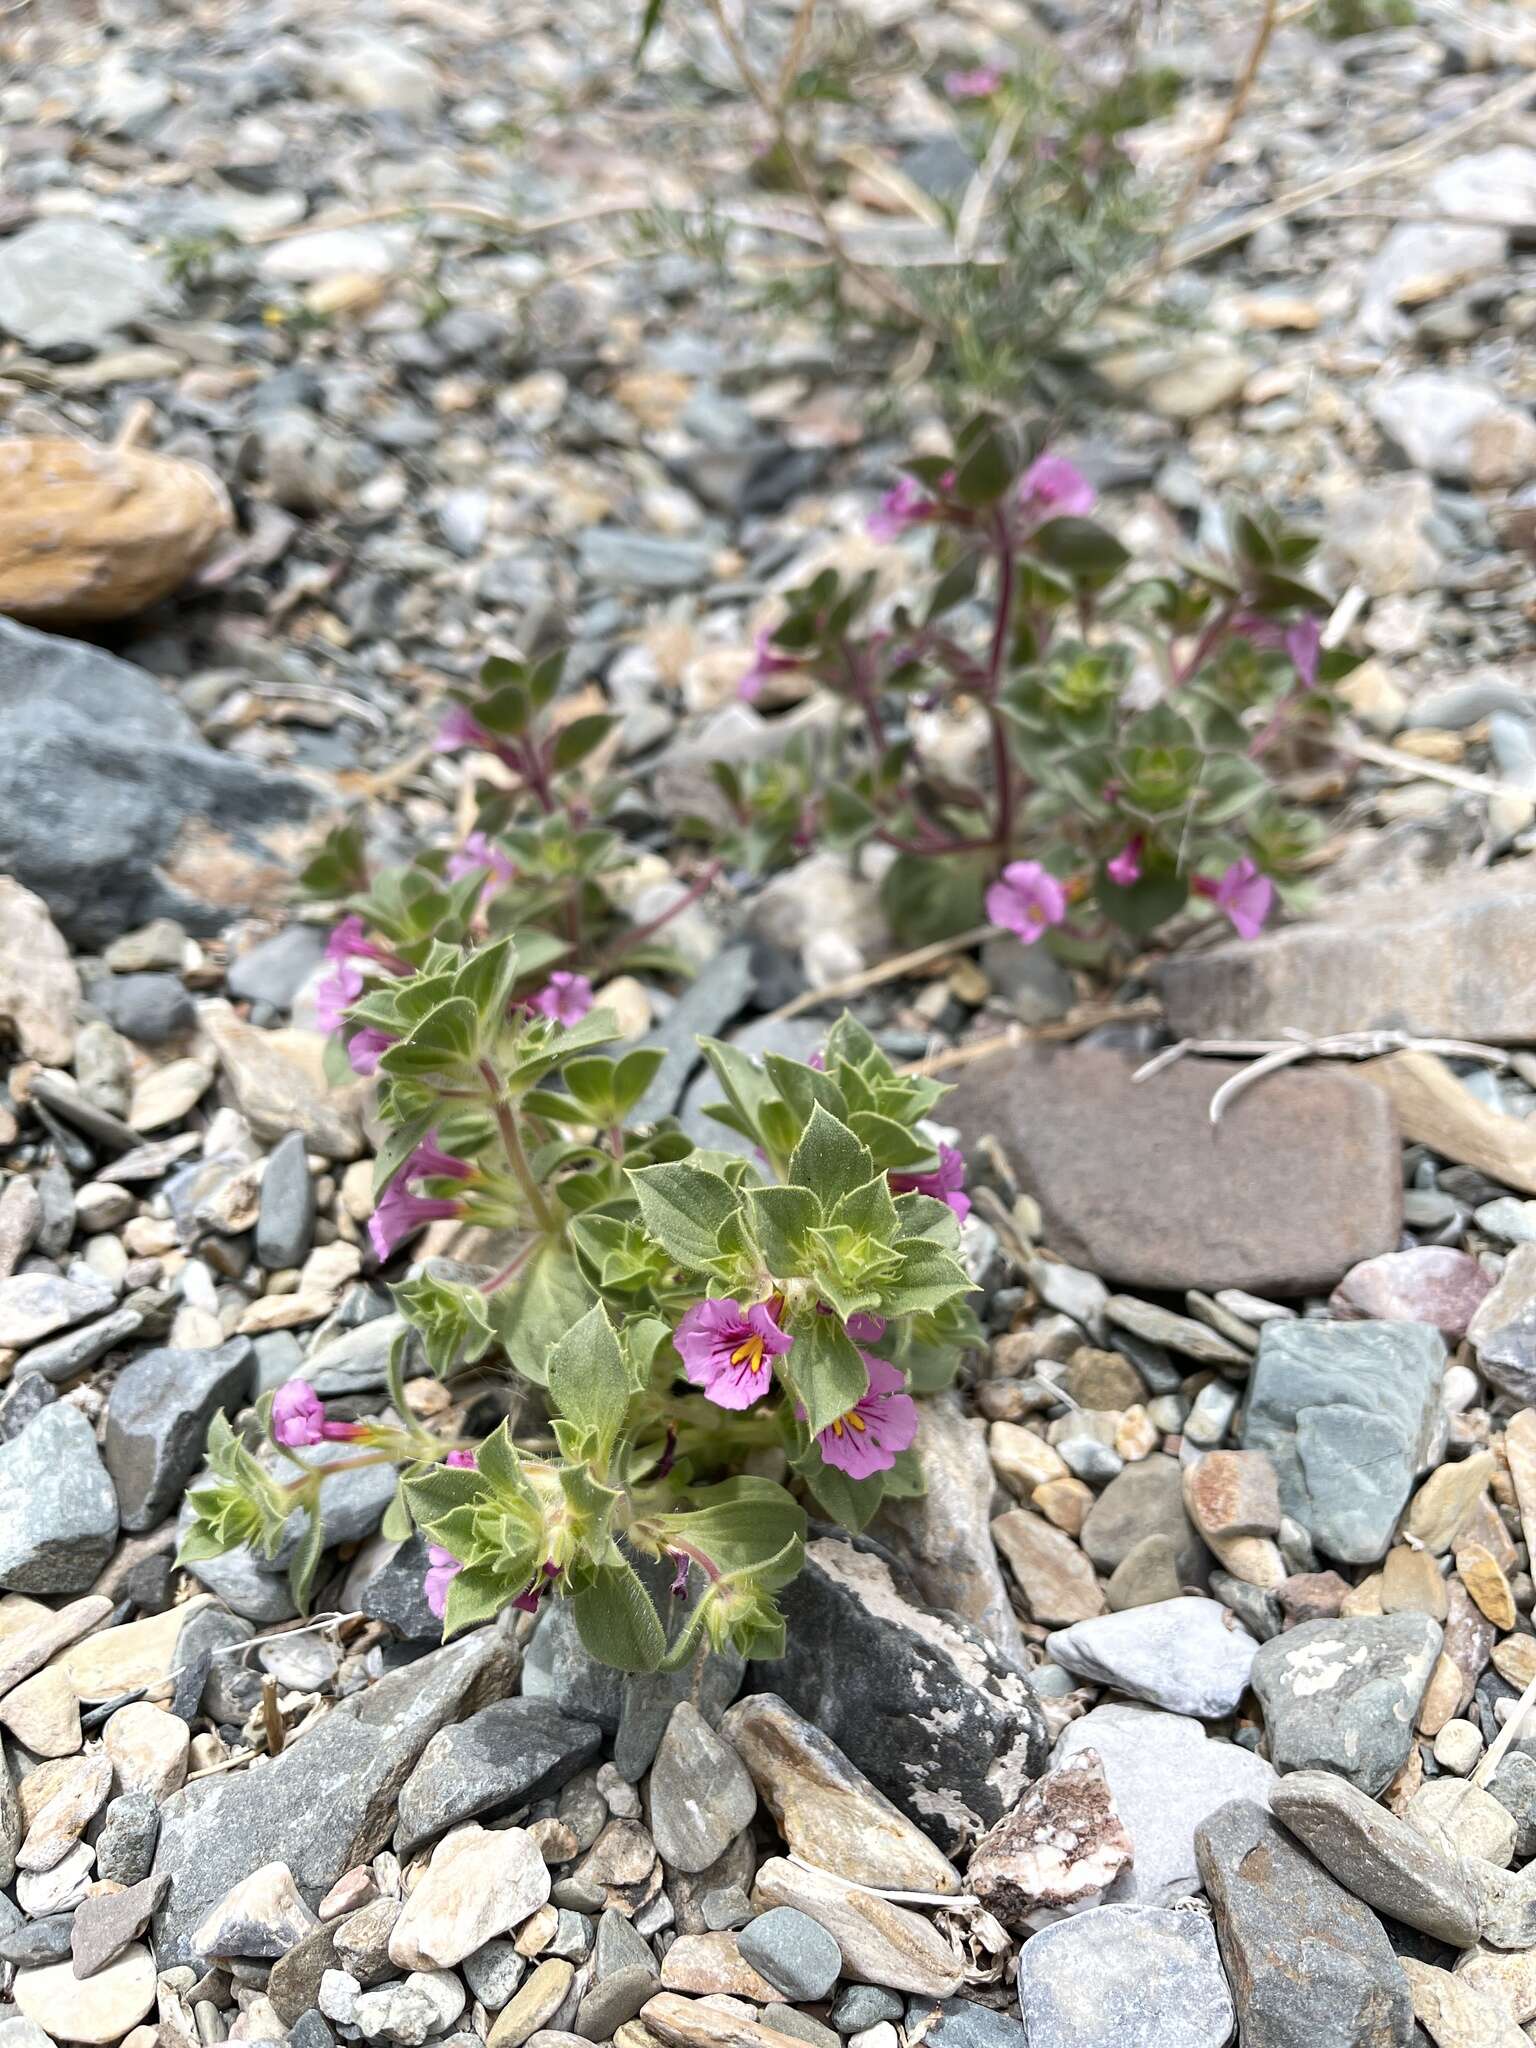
x: 1299, y: 1181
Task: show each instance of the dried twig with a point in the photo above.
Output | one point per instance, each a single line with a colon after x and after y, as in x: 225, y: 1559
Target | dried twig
x: 882, y: 971
x: 1079, y: 1021
x: 956, y: 1901
x: 1242, y: 92
x: 1269, y: 1055
x: 1348, y: 741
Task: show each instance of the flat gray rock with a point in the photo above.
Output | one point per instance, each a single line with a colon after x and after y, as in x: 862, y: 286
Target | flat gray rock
x: 1343, y: 1695
x: 157, y: 1423
x: 58, y: 1512
x: 508, y: 1755
x: 1166, y: 1775
x: 1134, y: 1976
x: 1307, y: 1963
x: 1190, y: 1656
x: 73, y: 284
x: 1347, y: 1412
x: 1378, y: 1857
x: 328, y: 1801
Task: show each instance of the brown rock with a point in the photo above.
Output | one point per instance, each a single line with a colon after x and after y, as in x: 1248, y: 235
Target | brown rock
x: 690, y: 2023
x: 39, y: 987
x: 1479, y: 1572
x: 90, y: 533
x: 1435, y: 1109
x: 705, y: 1963
x: 1445, y: 1500
x: 1411, y: 1584
x: 1060, y: 1847
x: 1299, y: 1182
x: 1021, y: 1459
x: 1442, y: 1697
x: 1055, y: 1577
x: 1064, y: 1502
x: 1146, y: 1574
x: 1312, y: 1596
x: 1382, y: 959
x: 827, y: 1810
x: 1103, y: 1379
x: 1232, y: 1493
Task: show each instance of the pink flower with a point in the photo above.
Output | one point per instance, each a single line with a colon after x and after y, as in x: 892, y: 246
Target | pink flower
x: 729, y: 1351
x: 461, y: 729
x: 765, y: 663
x: 1246, y: 896
x: 865, y: 1329
x: 1125, y: 868
x: 349, y: 941
x: 366, y: 1048
x: 399, y: 1213
x: 902, y: 506
x: 479, y: 852
x: 1025, y: 899
x: 565, y: 997
x: 298, y: 1418
x: 1052, y: 487
x: 528, y: 1600
x: 1304, y: 644
x: 881, y: 1423
x: 978, y: 84
x: 442, y: 1569
x: 464, y: 1461
x: 946, y: 1184
x: 336, y: 994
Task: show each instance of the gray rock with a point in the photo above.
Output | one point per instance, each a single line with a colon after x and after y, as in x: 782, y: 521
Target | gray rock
x: 795, y: 1953
x: 858, y: 2006
x: 309, y: 2030
x: 425, y: 2003
x: 1455, y: 426
x: 558, y: 1667
x: 494, y: 1972
x: 72, y: 283
x: 34, y: 1305
x: 506, y: 1756
x: 1513, y: 1784
x: 103, y: 778
x: 705, y: 1007
x: 329, y: 1801
x: 274, y: 971
x: 294, y: 1984
x: 1342, y: 1694
x: 105, y: 1923
x: 148, y: 1008
x: 11, y: 1827
x: 395, y: 1591
x: 961, y: 2023
x: 701, y: 1793
x: 1166, y: 1775
x: 1307, y: 1963
x: 789, y: 2019
x: 356, y: 1361
x: 125, y: 1847
x: 1377, y: 1857
x: 620, y: 560
x: 243, y: 1580
x: 157, y: 1423
x: 1187, y: 1655
x: 1146, y: 1499
x: 613, y: 2000
x: 62, y: 1357
x: 946, y: 1726
x: 944, y: 1537
x: 650, y: 1696
x: 58, y: 1513
x: 1137, y: 1976
x: 1347, y: 1411
x: 1503, y: 1331
x: 285, y: 1223
x: 33, y: 1944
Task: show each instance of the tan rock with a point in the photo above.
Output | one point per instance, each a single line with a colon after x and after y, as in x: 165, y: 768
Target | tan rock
x: 262, y: 1917
x: 704, y: 1963
x: 826, y: 1809
x: 1411, y: 1584
x: 53, y: 1828
x: 43, y: 1714
x: 478, y: 1884
x: 1520, y: 1455
x: 1364, y: 1598
x: 1507, y: 1981
x: 95, y: 2010
x: 534, y: 2004
x: 1054, y: 1575
x: 1487, y: 1584
x: 1255, y: 1560
x: 1137, y: 1436
x: 130, y: 1658
x: 690, y: 2023
x: 1454, y: 2013
x: 1462, y: 1819
x: 1022, y: 1460
x: 1232, y: 1493
x: 148, y: 1749
x: 881, y: 1943
x: 1514, y: 1659
x: 1065, y: 1502
x: 1445, y: 1499
x: 39, y: 988
x: 1442, y: 1696
x: 164, y: 1095
x: 1483, y: 1524
x: 279, y: 1084
x: 90, y: 533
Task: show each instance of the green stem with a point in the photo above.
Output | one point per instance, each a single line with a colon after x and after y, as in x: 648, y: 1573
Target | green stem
x: 512, y: 1144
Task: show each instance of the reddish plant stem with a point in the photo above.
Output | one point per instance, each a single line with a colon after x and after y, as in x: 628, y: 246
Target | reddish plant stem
x: 511, y: 1269
x: 639, y: 932
x: 1211, y: 636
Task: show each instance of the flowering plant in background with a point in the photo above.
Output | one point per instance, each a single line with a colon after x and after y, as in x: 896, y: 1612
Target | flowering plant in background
x: 676, y: 1313
x: 1132, y: 724
x: 538, y: 862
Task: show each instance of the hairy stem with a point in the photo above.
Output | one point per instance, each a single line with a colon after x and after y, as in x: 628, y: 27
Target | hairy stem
x: 512, y: 1144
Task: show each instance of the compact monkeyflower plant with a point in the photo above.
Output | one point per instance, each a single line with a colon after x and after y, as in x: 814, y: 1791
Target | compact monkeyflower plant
x: 683, y: 1312
x: 1131, y: 722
